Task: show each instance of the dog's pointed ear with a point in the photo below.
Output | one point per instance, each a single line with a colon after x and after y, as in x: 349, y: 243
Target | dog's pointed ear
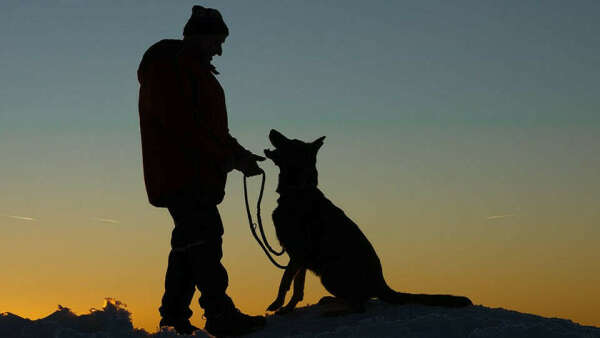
x: 318, y: 143
x: 277, y: 139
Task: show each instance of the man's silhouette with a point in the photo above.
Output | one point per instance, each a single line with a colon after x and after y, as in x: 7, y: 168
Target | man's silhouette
x: 187, y: 152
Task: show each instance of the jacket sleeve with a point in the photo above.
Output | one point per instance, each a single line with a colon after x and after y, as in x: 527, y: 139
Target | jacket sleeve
x: 231, y: 154
x: 239, y: 153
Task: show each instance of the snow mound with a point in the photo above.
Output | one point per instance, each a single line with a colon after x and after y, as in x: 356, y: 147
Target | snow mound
x: 380, y: 320
x: 416, y: 321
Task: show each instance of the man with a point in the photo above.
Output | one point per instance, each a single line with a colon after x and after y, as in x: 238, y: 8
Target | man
x: 187, y: 152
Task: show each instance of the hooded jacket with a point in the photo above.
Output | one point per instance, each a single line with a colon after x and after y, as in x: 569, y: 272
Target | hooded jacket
x: 186, y: 145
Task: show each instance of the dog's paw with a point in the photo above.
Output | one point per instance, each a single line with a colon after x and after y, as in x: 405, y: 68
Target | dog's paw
x: 276, y: 305
x: 284, y: 310
x: 288, y: 308
x: 325, y: 300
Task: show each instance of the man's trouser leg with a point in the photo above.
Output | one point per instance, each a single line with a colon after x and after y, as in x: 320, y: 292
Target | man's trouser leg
x: 179, y: 288
x: 196, y: 251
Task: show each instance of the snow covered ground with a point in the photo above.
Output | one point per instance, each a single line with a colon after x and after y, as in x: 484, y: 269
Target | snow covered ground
x: 380, y: 320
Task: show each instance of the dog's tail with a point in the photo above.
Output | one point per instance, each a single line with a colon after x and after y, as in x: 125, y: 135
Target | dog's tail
x: 390, y: 296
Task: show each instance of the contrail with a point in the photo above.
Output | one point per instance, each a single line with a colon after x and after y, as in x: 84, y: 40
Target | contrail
x: 22, y: 218
x: 501, y: 216
x: 106, y: 220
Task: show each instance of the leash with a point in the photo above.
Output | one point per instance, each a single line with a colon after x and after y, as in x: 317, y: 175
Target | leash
x: 264, y: 244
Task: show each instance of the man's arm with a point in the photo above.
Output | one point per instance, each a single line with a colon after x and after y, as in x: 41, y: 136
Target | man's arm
x: 243, y: 159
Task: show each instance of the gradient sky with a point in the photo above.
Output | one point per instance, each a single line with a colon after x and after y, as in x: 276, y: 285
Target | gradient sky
x: 462, y: 137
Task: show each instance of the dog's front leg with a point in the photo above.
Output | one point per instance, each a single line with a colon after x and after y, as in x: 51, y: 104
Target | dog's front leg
x: 284, y: 286
x: 298, y: 292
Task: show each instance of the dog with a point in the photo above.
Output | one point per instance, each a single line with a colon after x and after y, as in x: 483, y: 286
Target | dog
x: 318, y: 236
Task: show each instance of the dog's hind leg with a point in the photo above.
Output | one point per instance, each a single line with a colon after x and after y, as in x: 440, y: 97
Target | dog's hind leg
x: 284, y: 286
x: 350, y: 291
x: 298, y: 294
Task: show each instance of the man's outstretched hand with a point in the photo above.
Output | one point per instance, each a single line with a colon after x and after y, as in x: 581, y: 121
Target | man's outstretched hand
x: 249, y: 167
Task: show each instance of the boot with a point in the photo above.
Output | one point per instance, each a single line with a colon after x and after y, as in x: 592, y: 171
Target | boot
x: 229, y: 321
x: 181, y: 325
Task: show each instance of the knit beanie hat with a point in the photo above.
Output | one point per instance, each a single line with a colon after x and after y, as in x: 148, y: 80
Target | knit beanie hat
x: 205, y: 21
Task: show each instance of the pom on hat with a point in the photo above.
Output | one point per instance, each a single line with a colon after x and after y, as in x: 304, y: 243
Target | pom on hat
x: 205, y: 21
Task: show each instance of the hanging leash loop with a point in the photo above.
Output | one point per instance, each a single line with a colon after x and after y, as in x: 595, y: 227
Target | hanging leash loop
x: 269, y: 251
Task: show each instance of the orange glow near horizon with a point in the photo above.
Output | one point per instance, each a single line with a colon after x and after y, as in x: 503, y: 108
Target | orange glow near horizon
x: 519, y: 275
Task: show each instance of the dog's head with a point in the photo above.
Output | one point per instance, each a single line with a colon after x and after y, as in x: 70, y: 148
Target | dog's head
x: 297, y: 161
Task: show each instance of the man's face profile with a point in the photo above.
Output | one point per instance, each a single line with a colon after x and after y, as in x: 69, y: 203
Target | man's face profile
x: 209, y: 44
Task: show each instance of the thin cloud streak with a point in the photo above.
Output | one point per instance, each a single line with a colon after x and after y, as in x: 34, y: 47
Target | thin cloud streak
x: 501, y: 216
x: 21, y: 218
x: 106, y: 220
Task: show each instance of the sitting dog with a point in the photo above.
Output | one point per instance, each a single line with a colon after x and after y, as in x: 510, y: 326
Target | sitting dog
x: 318, y: 236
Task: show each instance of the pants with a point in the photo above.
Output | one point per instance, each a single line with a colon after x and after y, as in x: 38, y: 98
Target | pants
x: 195, y: 261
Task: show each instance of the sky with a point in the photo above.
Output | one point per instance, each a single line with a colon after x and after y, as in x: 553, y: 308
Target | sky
x: 462, y: 138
